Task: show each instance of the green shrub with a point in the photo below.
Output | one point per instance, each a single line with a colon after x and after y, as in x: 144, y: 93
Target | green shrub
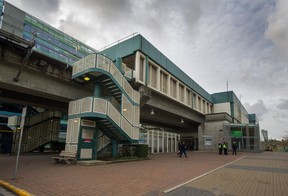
x: 141, y: 150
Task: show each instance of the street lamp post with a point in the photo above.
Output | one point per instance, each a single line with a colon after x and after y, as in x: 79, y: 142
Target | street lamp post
x: 20, y: 139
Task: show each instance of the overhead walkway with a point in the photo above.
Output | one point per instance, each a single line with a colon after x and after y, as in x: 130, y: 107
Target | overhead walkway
x: 113, y: 108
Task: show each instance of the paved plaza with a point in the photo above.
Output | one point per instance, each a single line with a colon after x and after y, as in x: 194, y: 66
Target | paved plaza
x: 202, y: 173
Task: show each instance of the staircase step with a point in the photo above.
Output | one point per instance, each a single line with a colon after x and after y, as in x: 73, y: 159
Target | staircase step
x: 110, y: 88
x: 115, y: 90
x: 108, y: 83
x: 105, y: 80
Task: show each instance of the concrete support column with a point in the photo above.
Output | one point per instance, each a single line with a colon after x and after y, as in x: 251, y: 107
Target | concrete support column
x: 147, y: 70
x: 97, y: 90
x: 114, y: 149
x: 196, y: 102
x: 158, y: 79
x: 158, y: 142
x: 171, y: 143
x: 167, y: 140
x: 232, y: 109
x: 247, y: 138
x: 96, y: 135
x: 148, y: 137
x: 152, y: 141
x: 137, y: 66
x: 168, y: 85
x: 176, y: 142
x: 177, y: 91
x: 185, y: 96
x: 257, y: 138
x: 162, y: 141
x: 119, y: 65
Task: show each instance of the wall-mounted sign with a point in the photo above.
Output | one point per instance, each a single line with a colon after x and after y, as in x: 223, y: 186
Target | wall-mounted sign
x: 208, y: 141
x: 87, y: 141
x: 87, y: 134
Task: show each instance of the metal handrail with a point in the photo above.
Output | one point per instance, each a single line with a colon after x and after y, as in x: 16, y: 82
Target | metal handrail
x: 118, y: 41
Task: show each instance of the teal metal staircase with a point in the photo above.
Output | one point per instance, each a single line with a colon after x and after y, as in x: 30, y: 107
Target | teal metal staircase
x: 113, y: 108
x: 39, y: 129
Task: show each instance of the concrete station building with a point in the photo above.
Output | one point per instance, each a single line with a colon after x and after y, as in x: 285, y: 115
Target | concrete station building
x: 127, y: 93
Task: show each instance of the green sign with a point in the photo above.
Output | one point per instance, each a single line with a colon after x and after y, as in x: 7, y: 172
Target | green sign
x: 236, y: 133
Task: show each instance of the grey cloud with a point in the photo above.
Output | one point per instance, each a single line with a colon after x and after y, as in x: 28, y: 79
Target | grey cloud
x: 253, y: 61
x: 277, y: 29
x: 175, y: 17
x: 46, y: 10
x: 191, y: 14
x: 283, y: 104
x: 280, y: 116
x: 107, y: 11
x: 81, y: 31
x: 259, y: 108
x: 42, y: 5
x: 75, y: 28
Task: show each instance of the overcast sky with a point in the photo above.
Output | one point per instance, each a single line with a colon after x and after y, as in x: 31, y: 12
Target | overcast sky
x: 244, y: 42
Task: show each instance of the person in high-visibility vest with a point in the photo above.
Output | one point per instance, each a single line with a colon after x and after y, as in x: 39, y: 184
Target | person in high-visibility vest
x: 220, y: 147
x: 225, y: 147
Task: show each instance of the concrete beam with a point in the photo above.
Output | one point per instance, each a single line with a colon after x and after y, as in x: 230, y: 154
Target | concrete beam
x: 37, y: 84
x: 164, y: 103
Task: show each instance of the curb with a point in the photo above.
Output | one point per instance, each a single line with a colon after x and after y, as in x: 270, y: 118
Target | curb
x: 14, y: 189
x: 100, y: 162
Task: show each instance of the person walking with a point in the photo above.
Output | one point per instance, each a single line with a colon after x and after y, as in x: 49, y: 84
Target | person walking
x: 234, y: 148
x: 182, y: 149
x: 225, y: 148
x: 220, y: 147
x: 179, y: 148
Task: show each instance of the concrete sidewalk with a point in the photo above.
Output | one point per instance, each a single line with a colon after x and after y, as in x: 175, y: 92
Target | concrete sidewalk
x: 263, y: 174
x: 164, y: 174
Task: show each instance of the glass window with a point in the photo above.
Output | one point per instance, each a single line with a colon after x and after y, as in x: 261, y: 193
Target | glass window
x: 188, y: 97
x: 173, y: 88
x: 244, y: 131
x: 204, y: 108
x: 251, y: 132
x: 27, y: 28
x: 251, y: 143
x: 194, y: 100
x: 160, y: 142
x: 181, y: 92
x: 245, y: 144
x: 155, y: 141
x: 163, y: 82
x: 199, y: 103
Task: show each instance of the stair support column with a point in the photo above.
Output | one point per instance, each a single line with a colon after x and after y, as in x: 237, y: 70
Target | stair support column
x: 97, y: 90
x: 114, y: 149
x: 119, y: 65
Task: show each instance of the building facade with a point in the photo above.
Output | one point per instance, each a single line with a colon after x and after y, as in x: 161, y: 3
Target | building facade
x: 137, y: 95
